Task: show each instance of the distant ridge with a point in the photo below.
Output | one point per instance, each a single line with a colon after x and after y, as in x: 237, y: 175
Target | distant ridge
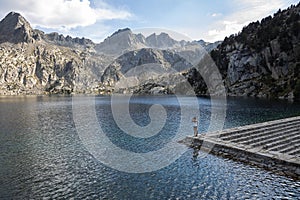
x: 120, y: 31
x: 34, y: 62
x: 261, y: 61
x: 163, y: 40
x: 120, y: 42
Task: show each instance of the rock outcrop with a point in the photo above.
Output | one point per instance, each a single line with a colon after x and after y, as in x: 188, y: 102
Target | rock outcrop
x: 15, y: 29
x: 144, y: 68
x: 32, y: 62
x: 208, y: 46
x: 124, y: 40
x: 263, y: 60
x: 40, y: 68
x: 121, y: 42
x: 162, y: 41
x: 68, y: 41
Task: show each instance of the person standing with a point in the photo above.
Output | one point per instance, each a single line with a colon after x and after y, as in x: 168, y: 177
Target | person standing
x: 195, y: 126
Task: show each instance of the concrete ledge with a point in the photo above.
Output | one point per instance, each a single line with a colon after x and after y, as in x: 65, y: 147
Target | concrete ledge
x: 280, y: 163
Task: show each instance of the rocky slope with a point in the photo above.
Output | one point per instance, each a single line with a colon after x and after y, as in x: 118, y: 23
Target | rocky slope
x: 30, y: 64
x: 42, y: 68
x: 68, y: 41
x: 15, y: 29
x: 135, y: 69
x: 124, y: 40
x: 263, y: 60
x: 163, y: 41
x: 121, y: 42
x: 208, y: 46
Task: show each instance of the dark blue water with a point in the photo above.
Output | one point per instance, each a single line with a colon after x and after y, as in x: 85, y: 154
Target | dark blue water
x: 42, y: 156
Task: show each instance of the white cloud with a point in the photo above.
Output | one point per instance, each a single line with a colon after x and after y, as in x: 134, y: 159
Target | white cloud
x: 216, y: 14
x: 226, y: 28
x: 246, y: 11
x: 62, y: 14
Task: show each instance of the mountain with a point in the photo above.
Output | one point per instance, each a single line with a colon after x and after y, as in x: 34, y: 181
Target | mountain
x: 120, y: 42
x: 208, y: 46
x: 32, y: 62
x: 142, y: 65
x: 40, y: 68
x: 263, y: 60
x: 68, y: 41
x: 139, y: 54
x: 125, y: 40
x: 14, y: 28
x: 163, y: 41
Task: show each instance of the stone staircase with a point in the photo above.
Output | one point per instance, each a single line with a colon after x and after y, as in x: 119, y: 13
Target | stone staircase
x: 281, y: 136
x: 273, y: 145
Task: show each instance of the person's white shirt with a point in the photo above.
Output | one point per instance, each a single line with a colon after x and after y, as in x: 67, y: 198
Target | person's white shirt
x: 195, y: 123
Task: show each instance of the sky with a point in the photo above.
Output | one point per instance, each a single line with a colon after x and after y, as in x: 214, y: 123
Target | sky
x: 210, y: 20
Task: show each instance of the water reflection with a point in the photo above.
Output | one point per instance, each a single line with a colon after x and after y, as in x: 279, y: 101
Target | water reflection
x: 195, y: 154
x: 41, y: 155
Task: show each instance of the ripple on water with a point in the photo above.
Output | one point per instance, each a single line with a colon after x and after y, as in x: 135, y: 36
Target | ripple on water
x: 42, y: 157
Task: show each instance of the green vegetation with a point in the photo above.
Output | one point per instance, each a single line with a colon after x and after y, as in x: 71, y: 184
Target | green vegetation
x: 273, y: 47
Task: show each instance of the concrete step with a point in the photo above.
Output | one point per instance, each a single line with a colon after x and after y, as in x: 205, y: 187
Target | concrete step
x: 254, y: 135
x: 266, y: 134
x: 260, y: 126
x: 281, y: 138
x: 295, y: 153
x: 279, y: 145
x: 254, y: 131
x: 265, y: 141
x: 291, y: 149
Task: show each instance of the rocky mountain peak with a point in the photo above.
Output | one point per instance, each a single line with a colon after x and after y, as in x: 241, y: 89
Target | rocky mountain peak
x: 122, y: 31
x: 121, y: 41
x: 15, y: 28
x: 15, y: 19
x: 67, y: 41
x: 142, y: 65
x: 163, y: 40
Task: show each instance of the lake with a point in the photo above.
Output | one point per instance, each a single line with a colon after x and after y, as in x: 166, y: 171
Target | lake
x: 43, y: 154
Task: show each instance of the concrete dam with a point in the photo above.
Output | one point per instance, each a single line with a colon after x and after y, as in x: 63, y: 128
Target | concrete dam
x: 273, y: 145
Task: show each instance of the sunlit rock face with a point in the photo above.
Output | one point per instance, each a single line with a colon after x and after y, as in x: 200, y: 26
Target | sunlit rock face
x: 264, y: 59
